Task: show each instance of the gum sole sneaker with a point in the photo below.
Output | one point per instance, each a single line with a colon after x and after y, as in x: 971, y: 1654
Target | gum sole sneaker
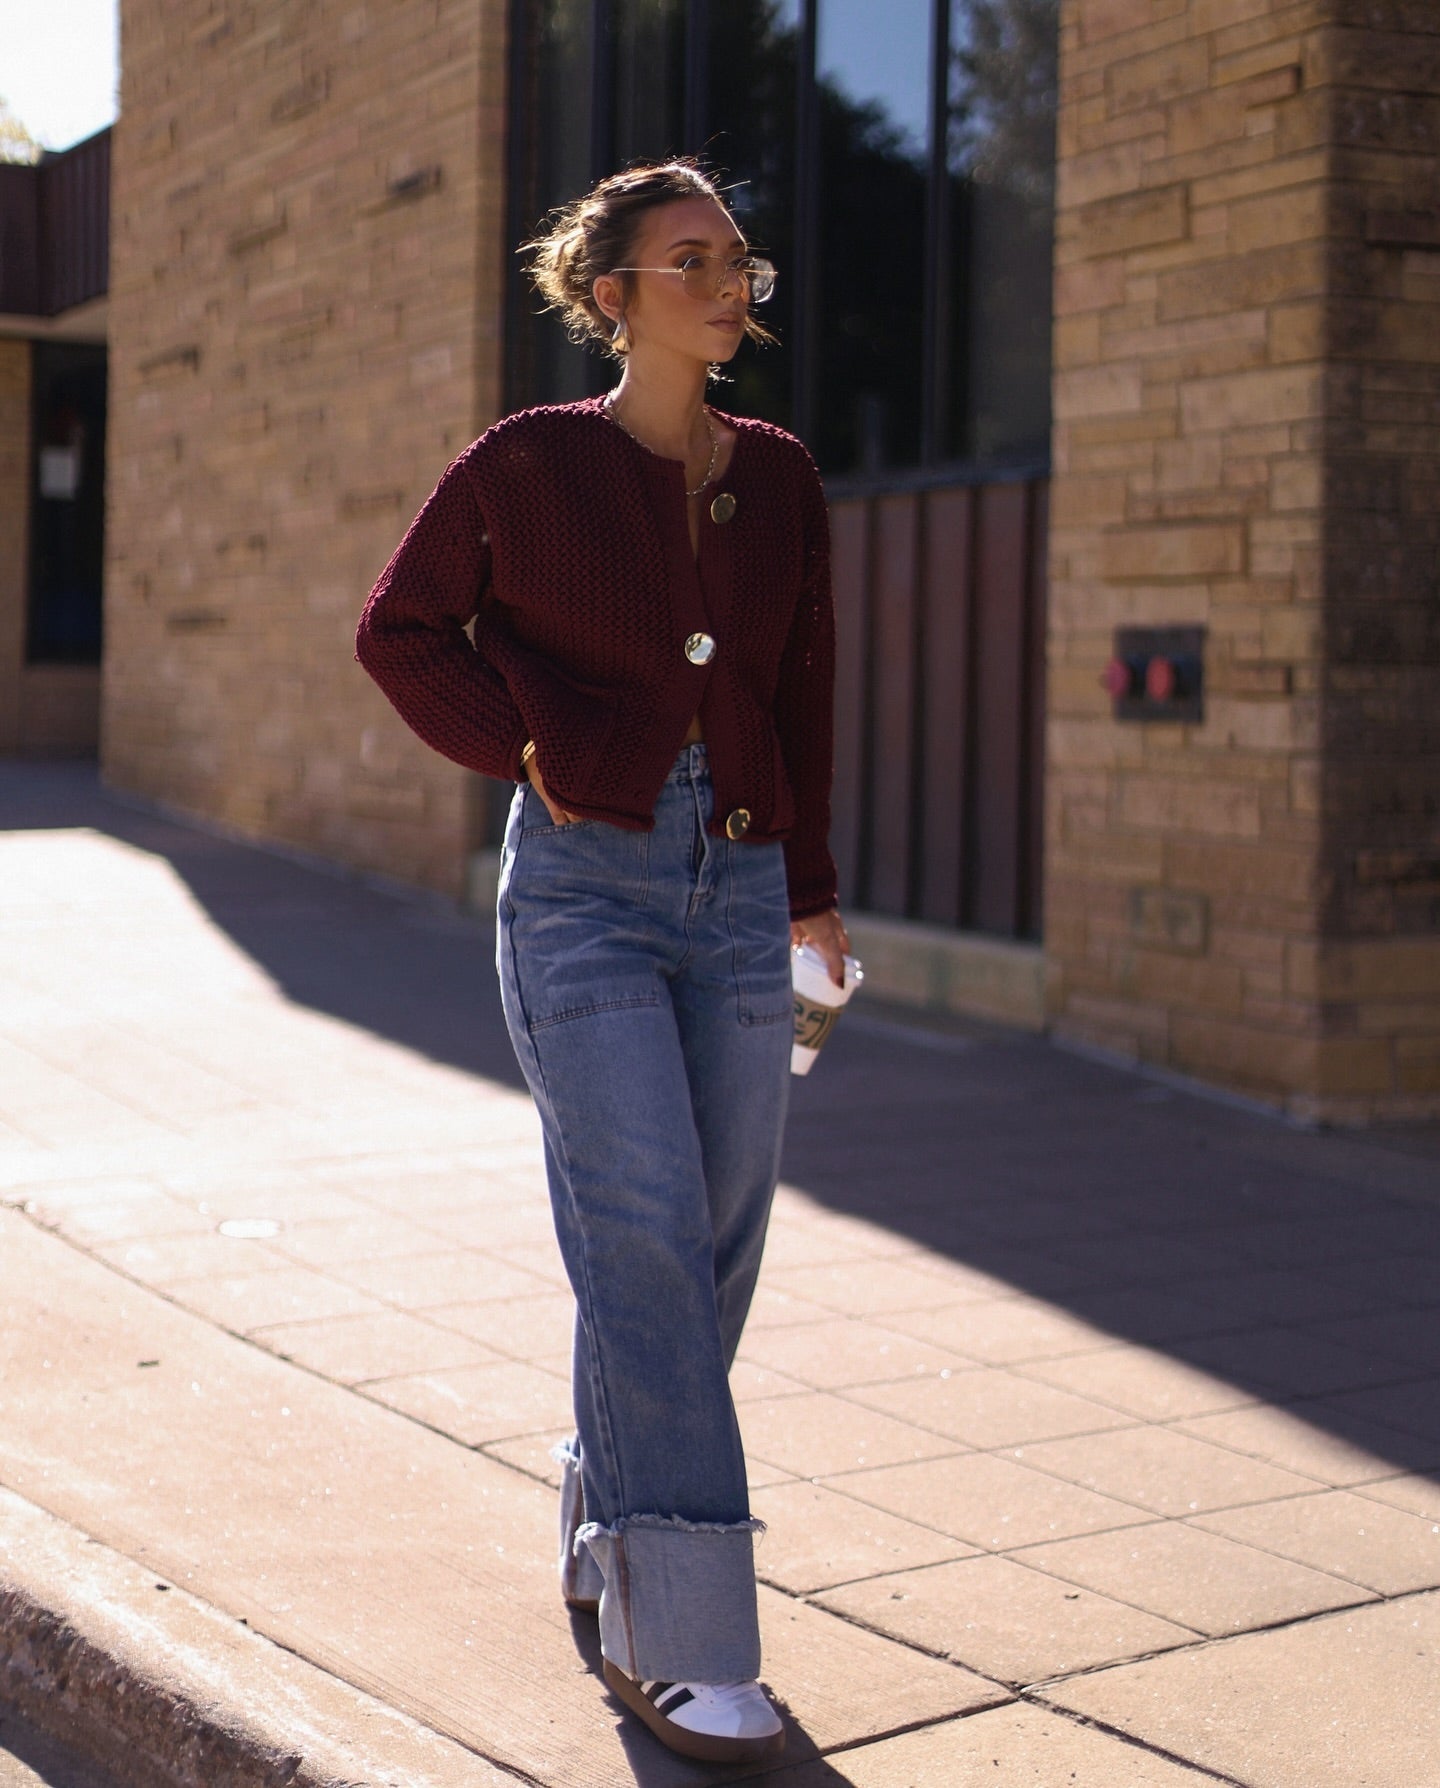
x: 730, y: 1722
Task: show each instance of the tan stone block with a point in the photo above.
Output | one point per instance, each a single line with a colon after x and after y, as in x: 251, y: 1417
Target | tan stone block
x: 1208, y: 16
x: 1239, y: 1054
x: 1204, y: 121
x: 1353, y: 1066
x: 1260, y: 396
x: 1134, y: 220
x: 1076, y: 340
x: 1170, y: 552
x: 1158, y: 76
x: 1296, y: 483
x: 1198, y: 986
x: 1096, y: 391
x: 1088, y: 286
x: 1085, y: 501
x: 1380, y: 968
x: 1099, y: 173
x: 1292, y: 272
x: 1189, y: 804
x: 1191, y: 464
x: 1417, y: 1059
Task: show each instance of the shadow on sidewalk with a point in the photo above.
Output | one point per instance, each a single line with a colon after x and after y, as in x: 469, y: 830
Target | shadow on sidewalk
x: 1303, y: 1268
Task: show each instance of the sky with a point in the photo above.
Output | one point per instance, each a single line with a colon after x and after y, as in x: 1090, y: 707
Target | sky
x: 59, y: 66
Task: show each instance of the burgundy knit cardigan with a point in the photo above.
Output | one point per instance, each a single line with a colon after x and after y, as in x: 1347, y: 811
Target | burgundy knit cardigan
x: 567, y: 544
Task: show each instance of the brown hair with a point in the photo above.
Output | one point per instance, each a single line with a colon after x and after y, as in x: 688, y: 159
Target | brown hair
x: 595, y: 234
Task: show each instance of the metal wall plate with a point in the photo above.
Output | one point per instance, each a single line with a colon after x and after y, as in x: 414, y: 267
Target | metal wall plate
x: 1158, y: 673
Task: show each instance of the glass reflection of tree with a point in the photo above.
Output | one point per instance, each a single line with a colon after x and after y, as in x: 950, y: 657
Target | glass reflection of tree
x: 753, y: 54
x: 1001, y: 155
x: 870, y: 303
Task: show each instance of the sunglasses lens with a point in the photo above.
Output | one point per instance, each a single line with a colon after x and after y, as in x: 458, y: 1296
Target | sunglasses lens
x: 703, y: 276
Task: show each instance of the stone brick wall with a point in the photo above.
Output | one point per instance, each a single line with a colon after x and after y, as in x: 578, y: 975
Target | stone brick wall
x: 306, y: 273
x: 1245, y: 399
x: 14, y: 532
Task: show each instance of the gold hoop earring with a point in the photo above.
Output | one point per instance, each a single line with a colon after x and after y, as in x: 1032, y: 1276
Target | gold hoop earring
x: 620, y: 337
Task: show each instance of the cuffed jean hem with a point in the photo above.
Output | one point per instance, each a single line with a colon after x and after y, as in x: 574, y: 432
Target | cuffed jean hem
x: 580, y: 1579
x: 679, y: 1602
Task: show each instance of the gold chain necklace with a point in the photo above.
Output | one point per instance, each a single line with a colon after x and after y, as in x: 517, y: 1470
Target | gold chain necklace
x: 609, y: 408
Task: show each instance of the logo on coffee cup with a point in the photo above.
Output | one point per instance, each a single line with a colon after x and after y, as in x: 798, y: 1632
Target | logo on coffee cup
x: 813, y: 1024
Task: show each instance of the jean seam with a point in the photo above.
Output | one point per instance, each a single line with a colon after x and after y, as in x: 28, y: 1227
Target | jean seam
x: 572, y: 1012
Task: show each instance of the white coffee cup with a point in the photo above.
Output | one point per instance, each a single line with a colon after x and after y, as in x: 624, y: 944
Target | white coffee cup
x: 818, y: 1002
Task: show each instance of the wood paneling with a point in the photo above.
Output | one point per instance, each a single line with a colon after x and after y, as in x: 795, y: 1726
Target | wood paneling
x: 940, y: 702
x: 894, y: 560
x: 850, y: 559
x: 945, y: 679
x: 998, y: 701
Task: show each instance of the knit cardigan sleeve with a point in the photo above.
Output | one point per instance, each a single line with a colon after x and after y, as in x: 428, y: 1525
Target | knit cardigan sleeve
x: 412, y: 637
x: 804, y: 714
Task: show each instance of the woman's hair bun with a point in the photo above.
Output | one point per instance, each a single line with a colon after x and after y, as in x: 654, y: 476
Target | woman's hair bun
x: 594, y: 235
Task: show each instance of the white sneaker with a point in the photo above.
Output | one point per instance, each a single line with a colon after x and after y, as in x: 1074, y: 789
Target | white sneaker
x: 727, y: 1722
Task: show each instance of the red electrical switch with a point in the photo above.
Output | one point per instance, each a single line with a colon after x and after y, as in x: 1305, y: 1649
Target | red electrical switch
x: 1160, y: 679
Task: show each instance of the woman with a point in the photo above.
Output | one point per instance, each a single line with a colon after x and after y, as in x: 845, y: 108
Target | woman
x: 652, y: 664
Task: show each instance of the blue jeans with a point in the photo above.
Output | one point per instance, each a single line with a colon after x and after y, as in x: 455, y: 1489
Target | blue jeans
x: 646, y: 985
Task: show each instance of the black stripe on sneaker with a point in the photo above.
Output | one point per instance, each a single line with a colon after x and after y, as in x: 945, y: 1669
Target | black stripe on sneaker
x: 668, y: 1697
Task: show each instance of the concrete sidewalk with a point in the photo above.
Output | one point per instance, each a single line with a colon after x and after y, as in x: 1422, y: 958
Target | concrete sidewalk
x: 1096, y: 1423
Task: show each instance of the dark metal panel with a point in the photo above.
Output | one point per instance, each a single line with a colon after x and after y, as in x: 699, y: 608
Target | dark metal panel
x: 1001, y: 604
x: 893, y: 690
x: 19, y: 239
x: 850, y: 578
x: 945, y: 680
x: 74, y: 235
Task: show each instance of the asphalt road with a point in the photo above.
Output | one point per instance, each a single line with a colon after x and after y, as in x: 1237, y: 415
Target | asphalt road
x: 31, y: 1759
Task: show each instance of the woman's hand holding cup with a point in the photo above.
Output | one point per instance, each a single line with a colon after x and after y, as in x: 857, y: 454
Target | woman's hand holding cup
x: 824, y: 932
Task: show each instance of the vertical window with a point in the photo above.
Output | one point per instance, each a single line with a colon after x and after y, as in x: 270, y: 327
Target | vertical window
x: 1000, y: 168
x: 552, y: 126
x: 872, y: 84
x: 649, y: 80
x: 751, y: 64
x: 896, y: 162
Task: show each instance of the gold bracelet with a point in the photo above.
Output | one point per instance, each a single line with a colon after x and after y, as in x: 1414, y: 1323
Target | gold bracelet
x: 527, y: 753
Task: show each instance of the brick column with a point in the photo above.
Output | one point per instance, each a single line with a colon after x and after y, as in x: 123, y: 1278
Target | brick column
x: 306, y: 276
x: 1247, y: 437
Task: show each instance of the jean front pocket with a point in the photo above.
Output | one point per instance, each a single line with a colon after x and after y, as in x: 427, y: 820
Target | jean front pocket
x: 582, y: 859
x: 759, y: 916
